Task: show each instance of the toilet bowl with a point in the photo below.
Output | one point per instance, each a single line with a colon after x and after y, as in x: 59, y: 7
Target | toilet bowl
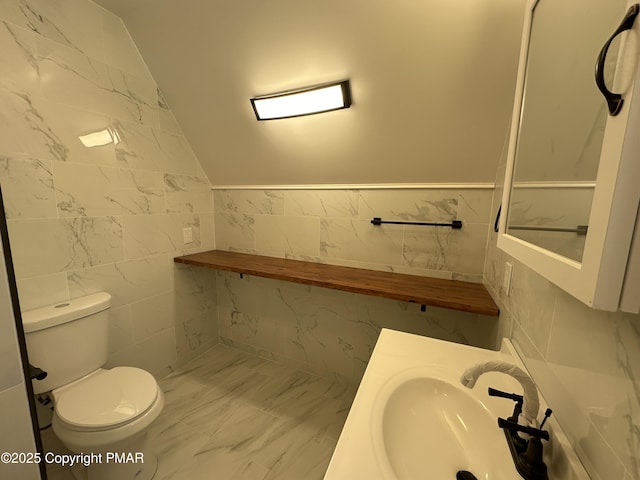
x: 105, y: 412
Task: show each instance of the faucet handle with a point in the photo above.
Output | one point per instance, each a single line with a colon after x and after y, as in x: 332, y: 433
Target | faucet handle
x: 513, y: 426
x: 511, y: 396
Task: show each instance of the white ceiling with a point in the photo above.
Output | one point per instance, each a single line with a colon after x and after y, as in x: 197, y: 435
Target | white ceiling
x: 432, y: 84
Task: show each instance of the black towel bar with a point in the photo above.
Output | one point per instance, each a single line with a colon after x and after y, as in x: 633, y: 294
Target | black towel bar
x: 455, y: 224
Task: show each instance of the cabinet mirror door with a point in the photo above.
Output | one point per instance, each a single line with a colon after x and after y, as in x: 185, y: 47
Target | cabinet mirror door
x: 569, y: 204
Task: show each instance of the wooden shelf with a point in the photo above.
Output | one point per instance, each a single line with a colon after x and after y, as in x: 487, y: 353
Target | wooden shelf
x: 453, y: 294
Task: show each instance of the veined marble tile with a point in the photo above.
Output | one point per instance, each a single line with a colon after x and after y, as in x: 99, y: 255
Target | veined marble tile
x: 186, y: 395
x: 195, y: 335
x: 23, y: 130
x: 194, y: 292
x: 532, y: 301
x: 287, y: 235
x: 168, y: 121
x: 146, y: 148
x: 187, y: 194
x: 139, y: 147
x: 474, y: 206
x: 437, y: 205
x: 237, y: 293
x: 311, y: 462
x: 121, y: 335
x: 266, y: 202
x: 443, y: 248
x: 288, y: 439
x: 70, y: 77
x: 563, y: 387
x: 605, y: 352
x: 92, y: 190
x: 206, y: 416
x: 321, y: 203
x: 174, y: 443
x: 152, y: 315
x: 69, y: 22
x: 180, y: 158
x: 146, y: 235
x: 358, y: 239
x: 135, y: 97
x: 372, y: 315
x: 323, y: 342
x: 260, y: 332
x: 126, y: 281
x: 245, y: 431
x: 18, y: 60
x: 65, y: 133
x: 119, y: 49
x: 207, y: 236
x: 224, y: 461
x: 34, y: 127
x: 27, y: 186
x: 41, y: 247
x: 156, y: 354
x: 283, y: 421
x: 235, y: 231
x: 43, y: 290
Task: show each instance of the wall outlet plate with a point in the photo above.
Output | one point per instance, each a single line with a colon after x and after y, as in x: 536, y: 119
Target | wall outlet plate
x: 506, y: 280
x: 187, y: 235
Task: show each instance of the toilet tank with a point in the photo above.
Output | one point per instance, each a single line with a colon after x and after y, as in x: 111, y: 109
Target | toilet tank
x: 67, y: 340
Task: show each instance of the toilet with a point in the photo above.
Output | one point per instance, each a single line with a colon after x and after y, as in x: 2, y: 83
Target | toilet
x: 96, y: 410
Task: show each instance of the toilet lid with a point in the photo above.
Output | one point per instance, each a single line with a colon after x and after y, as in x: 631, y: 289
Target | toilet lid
x: 108, y: 398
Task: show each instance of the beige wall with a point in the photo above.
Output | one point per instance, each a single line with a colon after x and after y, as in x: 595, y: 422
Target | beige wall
x: 432, y: 85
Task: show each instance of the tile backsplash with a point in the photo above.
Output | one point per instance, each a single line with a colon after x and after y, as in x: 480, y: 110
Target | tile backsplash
x: 334, y: 226
x: 333, y: 333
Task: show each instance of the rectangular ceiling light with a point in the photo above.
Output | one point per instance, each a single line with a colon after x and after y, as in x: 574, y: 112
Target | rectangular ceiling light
x: 303, y: 101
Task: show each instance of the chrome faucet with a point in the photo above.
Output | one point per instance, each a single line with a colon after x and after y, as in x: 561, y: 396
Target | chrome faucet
x: 526, y: 450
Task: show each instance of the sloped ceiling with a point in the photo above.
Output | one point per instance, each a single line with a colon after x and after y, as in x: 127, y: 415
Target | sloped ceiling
x: 432, y: 85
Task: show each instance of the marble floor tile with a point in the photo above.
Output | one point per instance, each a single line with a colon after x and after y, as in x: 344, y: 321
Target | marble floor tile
x: 232, y: 415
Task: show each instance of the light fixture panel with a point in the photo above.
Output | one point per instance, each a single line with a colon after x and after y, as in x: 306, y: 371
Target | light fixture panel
x: 304, y: 101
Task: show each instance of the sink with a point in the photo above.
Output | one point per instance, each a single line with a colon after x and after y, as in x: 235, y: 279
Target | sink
x: 411, y: 418
x: 428, y: 427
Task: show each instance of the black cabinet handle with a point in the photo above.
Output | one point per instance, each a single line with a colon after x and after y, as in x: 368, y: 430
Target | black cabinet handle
x: 614, y: 100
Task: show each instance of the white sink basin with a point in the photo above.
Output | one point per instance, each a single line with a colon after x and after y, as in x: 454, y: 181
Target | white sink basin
x: 411, y: 418
x: 427, y: 427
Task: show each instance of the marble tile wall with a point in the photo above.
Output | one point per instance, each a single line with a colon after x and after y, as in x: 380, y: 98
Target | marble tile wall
x: 586, y: 362
x: 16, y: 430
x: 99, y: 182
x: 332, y: 333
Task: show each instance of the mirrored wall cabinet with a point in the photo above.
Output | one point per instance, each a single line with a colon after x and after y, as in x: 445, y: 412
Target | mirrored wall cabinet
x: 572, y: 183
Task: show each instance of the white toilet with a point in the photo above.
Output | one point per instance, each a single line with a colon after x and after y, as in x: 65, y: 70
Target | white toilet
x: 95, y: 410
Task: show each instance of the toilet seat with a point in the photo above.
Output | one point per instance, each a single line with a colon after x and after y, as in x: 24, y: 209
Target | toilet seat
x: 106, y: 399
